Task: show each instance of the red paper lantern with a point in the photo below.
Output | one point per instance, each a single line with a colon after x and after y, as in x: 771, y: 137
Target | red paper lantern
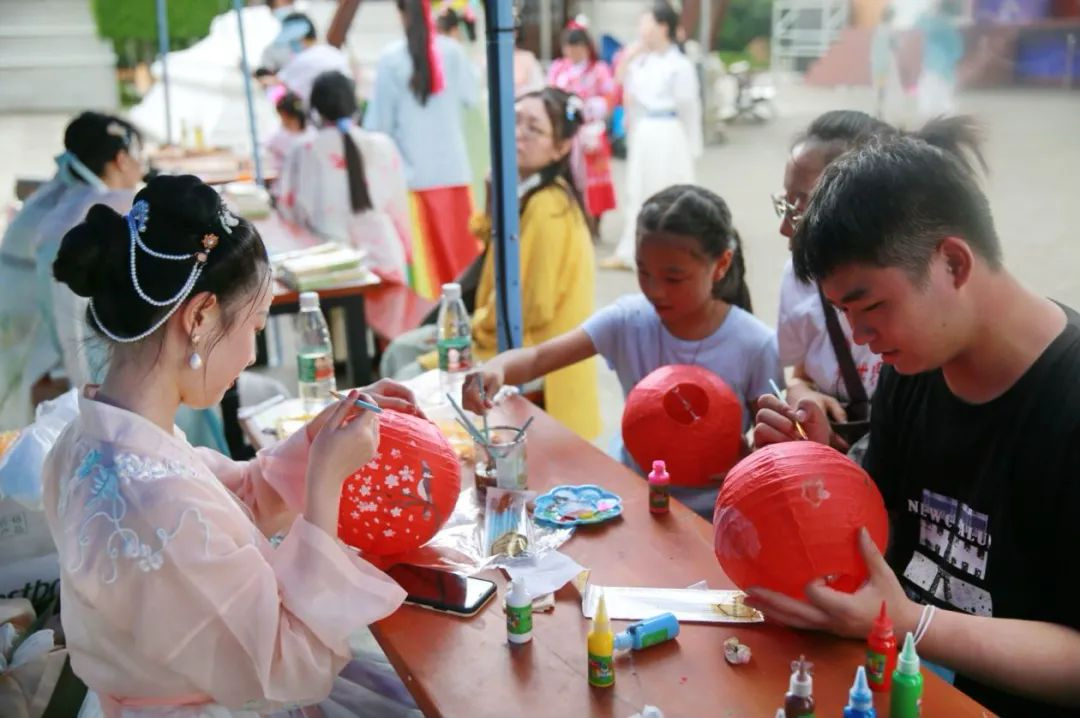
x: 790, y: 513
x: 688, y: 417
x: 397, y: 501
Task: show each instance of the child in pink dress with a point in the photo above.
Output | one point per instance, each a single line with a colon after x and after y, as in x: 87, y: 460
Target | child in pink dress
x: 581, y: 72
x: 174, y: 600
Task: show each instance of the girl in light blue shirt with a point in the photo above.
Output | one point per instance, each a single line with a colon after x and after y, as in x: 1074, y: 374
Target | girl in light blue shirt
x: 694, y: 308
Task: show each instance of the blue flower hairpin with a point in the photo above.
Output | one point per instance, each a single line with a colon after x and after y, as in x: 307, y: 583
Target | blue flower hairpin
x: 575, y: 107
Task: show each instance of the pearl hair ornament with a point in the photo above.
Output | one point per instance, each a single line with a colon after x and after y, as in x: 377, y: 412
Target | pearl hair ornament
x: 136, y: 221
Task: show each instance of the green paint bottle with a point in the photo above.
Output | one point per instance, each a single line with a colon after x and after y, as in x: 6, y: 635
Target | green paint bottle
x: 907, y: 684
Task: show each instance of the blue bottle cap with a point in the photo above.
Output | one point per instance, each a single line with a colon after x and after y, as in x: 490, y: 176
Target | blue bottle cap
x: 859, y: 697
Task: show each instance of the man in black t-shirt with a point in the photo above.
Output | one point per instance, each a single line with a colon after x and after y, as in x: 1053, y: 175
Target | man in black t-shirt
x: 975, y: 429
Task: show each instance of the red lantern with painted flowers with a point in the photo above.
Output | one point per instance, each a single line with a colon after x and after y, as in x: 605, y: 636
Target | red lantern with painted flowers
x: 397, y: 501
x: 687, y: 416
x: 790, y: 513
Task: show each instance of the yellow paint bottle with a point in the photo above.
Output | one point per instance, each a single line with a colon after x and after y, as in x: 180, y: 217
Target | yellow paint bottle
x: 601, y: 646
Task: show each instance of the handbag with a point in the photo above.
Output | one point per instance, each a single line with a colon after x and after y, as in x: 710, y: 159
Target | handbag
x: 858, y: 406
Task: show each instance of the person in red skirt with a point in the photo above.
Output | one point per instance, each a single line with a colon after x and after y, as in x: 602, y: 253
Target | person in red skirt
x: 581, y: 72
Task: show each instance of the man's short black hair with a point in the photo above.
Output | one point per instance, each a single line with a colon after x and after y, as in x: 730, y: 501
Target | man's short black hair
x: 889, y: 203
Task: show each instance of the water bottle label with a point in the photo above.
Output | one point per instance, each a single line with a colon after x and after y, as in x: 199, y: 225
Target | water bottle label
x: 315, y: 367
x: 455, y: 354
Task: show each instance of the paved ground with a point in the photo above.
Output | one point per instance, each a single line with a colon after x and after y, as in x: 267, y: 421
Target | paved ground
x: 1032, y: 145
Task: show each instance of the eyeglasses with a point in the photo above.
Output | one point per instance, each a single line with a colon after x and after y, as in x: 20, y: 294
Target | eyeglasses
x: 528, y: 129
x: 784, y: 209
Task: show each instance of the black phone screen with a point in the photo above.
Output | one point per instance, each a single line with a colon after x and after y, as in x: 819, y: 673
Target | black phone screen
x: 442, y: 590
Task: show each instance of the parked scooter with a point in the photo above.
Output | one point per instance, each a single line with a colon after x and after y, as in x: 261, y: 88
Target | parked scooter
x: 753, y: 97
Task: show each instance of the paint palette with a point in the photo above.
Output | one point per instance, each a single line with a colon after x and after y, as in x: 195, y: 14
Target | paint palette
x: 577, y: 506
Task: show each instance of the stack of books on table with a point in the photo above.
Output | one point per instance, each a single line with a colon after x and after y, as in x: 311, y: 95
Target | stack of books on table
x: 324, y: 266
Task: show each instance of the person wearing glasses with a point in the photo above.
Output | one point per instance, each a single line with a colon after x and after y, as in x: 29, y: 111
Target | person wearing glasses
x: 558, y: 270
x: 975, y: 434
x: 814, y: 340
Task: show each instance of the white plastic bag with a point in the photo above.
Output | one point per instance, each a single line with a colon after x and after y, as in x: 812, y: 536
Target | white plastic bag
x: 20, y: 466
x: 29, y: 567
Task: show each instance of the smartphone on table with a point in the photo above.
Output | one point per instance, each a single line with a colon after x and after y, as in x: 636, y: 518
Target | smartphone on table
x: 444, y: 591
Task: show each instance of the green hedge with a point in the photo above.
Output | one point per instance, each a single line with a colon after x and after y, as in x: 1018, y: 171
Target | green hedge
x: 123, y: 20
x: 744, y: 21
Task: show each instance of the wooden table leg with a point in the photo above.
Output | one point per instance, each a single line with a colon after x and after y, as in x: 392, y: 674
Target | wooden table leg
x: 356, y: 339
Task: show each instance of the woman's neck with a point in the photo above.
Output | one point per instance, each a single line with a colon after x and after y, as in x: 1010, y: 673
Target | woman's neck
x: 701, y: 324
x: 152, y: 395
x: 662, y: 46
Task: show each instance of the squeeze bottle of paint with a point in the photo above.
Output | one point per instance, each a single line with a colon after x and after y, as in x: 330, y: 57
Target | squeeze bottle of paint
x: 881, y: 653
x: 648, y: 632
x: 659, y: 489
x: 860, y: 699
x: 518, y: 613
x: 601, y: 646
x: 906, y: 699
x: 799, y: 701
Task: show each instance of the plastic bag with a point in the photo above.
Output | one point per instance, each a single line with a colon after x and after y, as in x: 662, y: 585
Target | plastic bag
x: 461, y: 543
x: 20, y: 467
x: 29, y: 566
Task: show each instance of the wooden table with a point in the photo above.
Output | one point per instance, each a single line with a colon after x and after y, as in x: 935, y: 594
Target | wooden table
x: 464, y: 667
x: 212, y: 166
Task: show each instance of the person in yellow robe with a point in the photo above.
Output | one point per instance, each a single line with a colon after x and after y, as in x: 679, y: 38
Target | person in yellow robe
x: 557, y: 264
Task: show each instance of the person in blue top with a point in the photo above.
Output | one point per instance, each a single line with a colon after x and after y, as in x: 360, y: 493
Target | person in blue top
x: 423, y: 84
x: 943, y: 48
x: 44, y: 338
x: 100, y: 163
x: 694, y: 308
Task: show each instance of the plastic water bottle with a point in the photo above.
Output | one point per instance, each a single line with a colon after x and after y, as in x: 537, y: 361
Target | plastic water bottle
x: 315, y: 355
x: 454, y: 341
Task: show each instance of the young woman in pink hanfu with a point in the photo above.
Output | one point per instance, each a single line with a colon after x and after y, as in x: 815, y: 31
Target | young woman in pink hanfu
x: 175, y: 602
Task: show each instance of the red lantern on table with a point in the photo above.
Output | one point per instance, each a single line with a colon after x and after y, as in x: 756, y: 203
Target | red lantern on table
x: 687, y: 416
x: 398, y: 500
x: 790, y: 513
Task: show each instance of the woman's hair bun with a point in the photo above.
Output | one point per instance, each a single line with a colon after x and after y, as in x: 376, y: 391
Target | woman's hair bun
x: 182, y: 210
x: 92, y: 252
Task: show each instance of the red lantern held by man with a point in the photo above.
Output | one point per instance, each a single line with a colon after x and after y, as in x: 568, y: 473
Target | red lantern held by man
x: 408, y: 490
x: 687, y: 416
x: 790, y: 513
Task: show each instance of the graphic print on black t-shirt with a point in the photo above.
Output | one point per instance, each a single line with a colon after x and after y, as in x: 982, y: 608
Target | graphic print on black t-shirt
x: 983, y: 499
x: 954, y: 543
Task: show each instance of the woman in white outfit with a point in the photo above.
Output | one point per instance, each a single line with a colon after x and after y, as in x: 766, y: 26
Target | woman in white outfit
x: 347, y: 185
x: 663, y: 105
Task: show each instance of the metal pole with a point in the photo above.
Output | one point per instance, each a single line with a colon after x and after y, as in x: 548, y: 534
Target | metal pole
x: 545, y: 30
x: 1070, y: 59
x: 163, y: 52
x: 506, y: 235
x: 705, y: 13
x: 246, y: 70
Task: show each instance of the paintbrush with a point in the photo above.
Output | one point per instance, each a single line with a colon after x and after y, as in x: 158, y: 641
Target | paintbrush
x: 521, y: 431
x: 483, y: 416
x: 373, y: 408
x: 798, y: 426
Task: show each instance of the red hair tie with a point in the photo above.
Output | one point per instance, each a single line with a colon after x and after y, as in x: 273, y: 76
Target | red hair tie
x: 438, y: 82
